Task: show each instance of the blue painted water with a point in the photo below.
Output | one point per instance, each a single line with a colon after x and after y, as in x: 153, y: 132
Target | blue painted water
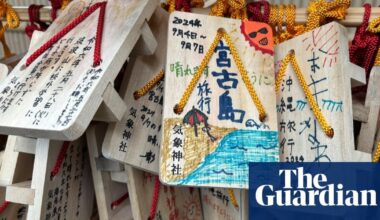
x: 228, y: 164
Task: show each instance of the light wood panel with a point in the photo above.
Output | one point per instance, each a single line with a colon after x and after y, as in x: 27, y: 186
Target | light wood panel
x: 173, y: 202
x: 136, y: 139
x: 219, y: 131
x: 106, y: 190
x: 58, y: 95
x: 322, y: 56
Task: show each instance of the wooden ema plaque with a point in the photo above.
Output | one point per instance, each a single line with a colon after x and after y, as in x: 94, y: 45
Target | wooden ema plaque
x: 111, y: 197
x: 58, y: 94
x: 11, y: 211
x: 173, y: 202
x: 216, y: 204
x: 17, y: 164
x: 136, y: 139
x: 322, y: 56
x: 69, y: 194
x: 368, y: 112
x: 219, y: 131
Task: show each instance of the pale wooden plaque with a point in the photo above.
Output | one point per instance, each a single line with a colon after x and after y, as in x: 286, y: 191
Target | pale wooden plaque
x: 17, y: 166
x: 322, y: 55
x: 173, y: 202
x: 366, y: 139
x: 216, y: 204
x: 106, y: 190
x: 12, y: 211
x: 58, y: 95
x: 211, y: 142
x: 136, y: 139
x: 69, y: 194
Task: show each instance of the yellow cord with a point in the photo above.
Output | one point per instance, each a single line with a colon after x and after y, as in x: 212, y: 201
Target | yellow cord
x: 290, y: 57
x: 230, y: 8
x: 233, y: 198
x: 65, y: 3
x: 377, y: 58
x: 376, y: 154
x: 171, y: 4
x: 149, y: 85
x: 178, y: 109
x: 12, y: 22
x: 284, y: 15
x: 273, y: 16
x: 320, y: 10
x: 292, y: 29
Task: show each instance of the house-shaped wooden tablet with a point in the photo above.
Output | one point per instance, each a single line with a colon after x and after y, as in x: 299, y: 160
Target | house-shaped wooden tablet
x: 219, y: 86
x: 10, y: 210
x: 172, y: 202
x: 61, y: 184
x: 56, y: 89
x: 136, y: 139
x: 321, y: 56
x: 368, y: 112
x: 112, y: 197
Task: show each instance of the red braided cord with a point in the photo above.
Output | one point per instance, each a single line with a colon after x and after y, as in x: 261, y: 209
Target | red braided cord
x: 156, y: 192
x: 186, y: 6
x: 34, y: 17
x: 55, y: 5
x: 71, y: 26
x: 4, y: 206
x: 99, y: 35
x: 61, y: 157
x: 258, y: 11
x: 182, y: 4
x: 120, y: 200
x: 178, y: 5
x: 364, y: 45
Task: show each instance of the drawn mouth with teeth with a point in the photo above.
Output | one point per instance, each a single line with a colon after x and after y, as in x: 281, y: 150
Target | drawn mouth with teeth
x: 264, y: 41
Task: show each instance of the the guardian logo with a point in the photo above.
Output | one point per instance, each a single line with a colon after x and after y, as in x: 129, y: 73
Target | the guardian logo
x: 306, y: 189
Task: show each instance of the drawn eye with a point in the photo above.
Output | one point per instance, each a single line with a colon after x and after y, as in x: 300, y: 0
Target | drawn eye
x: 263, y: 30
x: 253, y: 34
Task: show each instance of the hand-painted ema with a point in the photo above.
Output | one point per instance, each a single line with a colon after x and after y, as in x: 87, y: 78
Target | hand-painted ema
x: 136, y: 139
x: 58, y: 87
x: 216, y: 119
x: 314, y: 103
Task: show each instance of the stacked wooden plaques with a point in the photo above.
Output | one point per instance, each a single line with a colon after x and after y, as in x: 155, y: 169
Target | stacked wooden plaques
x: 123, y: 105
x: 112, y: 197
x: 54, y: 93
